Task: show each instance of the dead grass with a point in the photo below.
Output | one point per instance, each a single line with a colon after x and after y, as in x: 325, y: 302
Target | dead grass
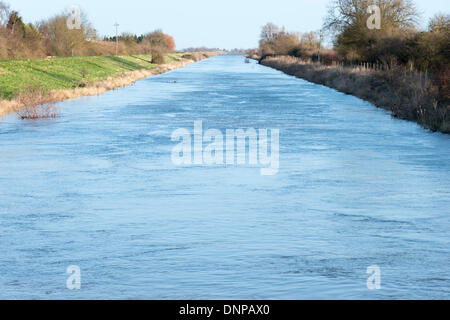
x: 407, y: 95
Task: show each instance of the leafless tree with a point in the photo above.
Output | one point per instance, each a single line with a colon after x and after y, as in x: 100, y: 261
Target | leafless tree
x: 395, y: 14
x: 440, y: 22
x: 269, y: 32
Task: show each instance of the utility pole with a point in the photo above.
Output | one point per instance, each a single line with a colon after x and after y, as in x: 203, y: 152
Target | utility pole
x: 117, y: 38
x: 320, y: 43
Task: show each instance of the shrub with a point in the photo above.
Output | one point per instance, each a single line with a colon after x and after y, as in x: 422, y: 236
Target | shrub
x: 38, y: 111
x: 36, y: 104
x: 52, y: 37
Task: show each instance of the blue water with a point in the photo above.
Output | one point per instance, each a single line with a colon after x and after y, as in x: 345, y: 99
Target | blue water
x: 96, y: 188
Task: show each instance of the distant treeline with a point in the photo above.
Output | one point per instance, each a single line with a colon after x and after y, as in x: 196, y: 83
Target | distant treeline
x: 202, y: 49
x: 52, y: 37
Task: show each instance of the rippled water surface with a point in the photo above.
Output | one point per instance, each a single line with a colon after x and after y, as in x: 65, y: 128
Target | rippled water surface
x: 96, y: 188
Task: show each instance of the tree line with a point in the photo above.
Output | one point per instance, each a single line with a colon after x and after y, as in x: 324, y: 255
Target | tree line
x: 53, y: 37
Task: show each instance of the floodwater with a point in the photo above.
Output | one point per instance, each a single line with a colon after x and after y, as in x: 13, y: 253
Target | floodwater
x: 96, y: 188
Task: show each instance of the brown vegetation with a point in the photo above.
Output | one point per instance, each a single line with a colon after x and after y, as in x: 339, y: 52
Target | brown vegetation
x: 197, y: 56
x: 157, y: 56
x: 52, y: 37
x: 38, y: 111
x: 37, y: 104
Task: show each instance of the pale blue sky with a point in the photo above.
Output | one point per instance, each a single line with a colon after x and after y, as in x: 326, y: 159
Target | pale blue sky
x: 224, y: 23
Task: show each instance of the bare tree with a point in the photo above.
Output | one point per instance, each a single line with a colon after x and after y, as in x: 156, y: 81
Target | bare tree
x: 62, y: 41
x: 88, y: 29
x: 395, y: 14
x: 310, y: 40
x: 439, y: 23
x: 269, y: 32
x: 15, y: 22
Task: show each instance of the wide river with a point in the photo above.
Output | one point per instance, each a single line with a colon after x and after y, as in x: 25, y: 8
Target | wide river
x: 96, y: 188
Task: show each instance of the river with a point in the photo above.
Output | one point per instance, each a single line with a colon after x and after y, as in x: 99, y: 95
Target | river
x: 96, y: 188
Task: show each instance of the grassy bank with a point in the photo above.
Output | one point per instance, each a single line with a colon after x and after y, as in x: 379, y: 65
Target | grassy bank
x: 68, y: 73
x: 408, y: 96
x: 35, y: 81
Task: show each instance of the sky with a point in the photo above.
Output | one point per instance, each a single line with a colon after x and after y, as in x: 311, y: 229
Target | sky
x: 224, y: 24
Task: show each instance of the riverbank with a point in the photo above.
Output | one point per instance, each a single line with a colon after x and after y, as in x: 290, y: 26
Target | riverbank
x: 38, y: 81
x: 408, y: 96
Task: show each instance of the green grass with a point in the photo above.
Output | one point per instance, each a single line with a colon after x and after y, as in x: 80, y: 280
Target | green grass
x: 67, y: 73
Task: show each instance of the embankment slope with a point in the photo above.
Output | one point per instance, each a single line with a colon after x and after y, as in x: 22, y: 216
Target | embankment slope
x: 60, y: 78
x: 407, y: 95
